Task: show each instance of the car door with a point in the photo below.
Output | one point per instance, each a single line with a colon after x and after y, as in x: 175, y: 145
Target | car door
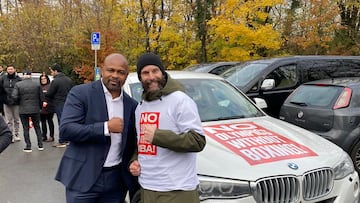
x: 286, y: 78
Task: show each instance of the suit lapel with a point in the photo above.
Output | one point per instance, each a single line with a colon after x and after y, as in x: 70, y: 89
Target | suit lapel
x: 100, y: 108
x: 127, y: 116
x: 99, y: 96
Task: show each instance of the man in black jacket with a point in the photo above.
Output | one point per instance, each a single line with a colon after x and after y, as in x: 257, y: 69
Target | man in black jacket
x: 11, y: 106
x: 28, y: 93
x: 57, y: 93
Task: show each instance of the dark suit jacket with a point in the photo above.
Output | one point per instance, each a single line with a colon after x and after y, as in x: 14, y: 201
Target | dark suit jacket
x: 5, y: 135
x: 82, y: 124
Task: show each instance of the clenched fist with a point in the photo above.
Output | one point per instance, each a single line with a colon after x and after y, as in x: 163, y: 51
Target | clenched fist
x: 135, y: 168
x: 116, y: 125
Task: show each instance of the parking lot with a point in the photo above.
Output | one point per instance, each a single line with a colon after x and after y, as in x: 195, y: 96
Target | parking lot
x: 29, y: 177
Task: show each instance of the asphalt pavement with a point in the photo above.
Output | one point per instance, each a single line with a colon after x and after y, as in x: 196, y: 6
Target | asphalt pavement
x: 29, y: 177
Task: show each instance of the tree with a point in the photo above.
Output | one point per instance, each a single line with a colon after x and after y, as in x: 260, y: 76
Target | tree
x: 242, y: 31
x: 348, y: 36
x: 314, y: 26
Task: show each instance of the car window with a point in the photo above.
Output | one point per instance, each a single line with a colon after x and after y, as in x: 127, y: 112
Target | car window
x: 242, y: 74
x: 197, y: 67
x: 220, y: 69
x: 285, y: 76
x: 312, y: 95
x: 350, y: 68
x: 136, y: 91
x: 216, y: 99
x: 322, y: 69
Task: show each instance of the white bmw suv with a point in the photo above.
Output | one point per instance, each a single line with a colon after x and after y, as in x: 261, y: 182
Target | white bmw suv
x: 251, y: 157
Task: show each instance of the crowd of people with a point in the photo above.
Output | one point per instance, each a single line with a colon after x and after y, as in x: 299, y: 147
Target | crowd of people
x: 107, y: 131
x: 34, y: 103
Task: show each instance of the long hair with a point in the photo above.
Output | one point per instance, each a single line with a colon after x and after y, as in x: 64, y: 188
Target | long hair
x: 47, y: 79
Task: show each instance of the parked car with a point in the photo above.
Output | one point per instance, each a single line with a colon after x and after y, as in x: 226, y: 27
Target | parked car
x: 270, y: 81
x: 251, y: 157
x: 330, y: 108
x: 214, y: 68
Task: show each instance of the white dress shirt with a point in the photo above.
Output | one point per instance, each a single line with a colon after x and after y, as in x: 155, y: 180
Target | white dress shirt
x: 115, y: 108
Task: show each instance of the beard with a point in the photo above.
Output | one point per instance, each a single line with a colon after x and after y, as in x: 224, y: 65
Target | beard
x: 160, y: 84
x: 113, y: 85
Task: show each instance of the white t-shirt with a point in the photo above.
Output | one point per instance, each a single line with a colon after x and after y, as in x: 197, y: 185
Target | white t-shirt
x: 163, y: 169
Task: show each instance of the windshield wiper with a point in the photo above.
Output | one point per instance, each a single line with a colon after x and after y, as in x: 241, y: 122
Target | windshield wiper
x: 229, y: 117
x: 299, y: 103
x: 222, y: 118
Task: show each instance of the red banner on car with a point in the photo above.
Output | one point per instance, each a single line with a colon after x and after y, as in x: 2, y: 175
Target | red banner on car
x: 255, y: 143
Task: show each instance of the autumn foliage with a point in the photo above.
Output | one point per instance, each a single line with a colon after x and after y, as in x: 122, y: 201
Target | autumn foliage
x: 35, y: 34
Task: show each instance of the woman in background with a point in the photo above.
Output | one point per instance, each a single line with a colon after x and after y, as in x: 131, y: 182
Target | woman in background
x: 47, y: 110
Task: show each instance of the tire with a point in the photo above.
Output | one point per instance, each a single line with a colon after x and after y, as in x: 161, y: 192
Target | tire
x: 355, y: 156
x: 136, y: 198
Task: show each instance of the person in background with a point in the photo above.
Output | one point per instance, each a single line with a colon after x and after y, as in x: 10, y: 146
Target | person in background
x: 170, y: 133
x: 98, y: 120
x: 47, y: 111
x: 28, y: 93
x: 57, y: 93
x: 2, y: 72
x: 11, y: 106
x: 5, y: 135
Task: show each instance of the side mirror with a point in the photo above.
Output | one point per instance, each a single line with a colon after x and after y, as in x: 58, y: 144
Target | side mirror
x: 261, y: 103
x: 268, y: 84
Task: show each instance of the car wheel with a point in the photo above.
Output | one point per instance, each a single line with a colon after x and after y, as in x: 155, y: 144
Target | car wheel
x: 355, y: 156
x: 136, y: 198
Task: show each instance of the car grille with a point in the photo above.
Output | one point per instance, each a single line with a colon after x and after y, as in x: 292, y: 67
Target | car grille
x: 317, y: 183
x: 286, y: 189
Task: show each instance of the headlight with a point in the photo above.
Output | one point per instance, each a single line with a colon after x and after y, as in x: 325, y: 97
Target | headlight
x: 217, y: 188
x: 344, y: 167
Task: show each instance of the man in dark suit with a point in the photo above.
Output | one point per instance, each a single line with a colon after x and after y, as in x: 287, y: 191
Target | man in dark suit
x: 98, y: 120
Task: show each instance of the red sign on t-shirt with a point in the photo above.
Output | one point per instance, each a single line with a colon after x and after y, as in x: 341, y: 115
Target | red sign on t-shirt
x: 147, y: 118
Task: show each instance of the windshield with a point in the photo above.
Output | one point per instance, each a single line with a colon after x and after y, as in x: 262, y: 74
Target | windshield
x: 241, y: 75
x: 215, y: 99
x: 314, y: 95
x: 197, y: 67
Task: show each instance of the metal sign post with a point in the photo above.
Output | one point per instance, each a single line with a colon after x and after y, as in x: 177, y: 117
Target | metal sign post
x: 95, y: 45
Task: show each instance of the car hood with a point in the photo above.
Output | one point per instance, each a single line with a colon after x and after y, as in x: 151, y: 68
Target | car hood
x: 249, y: 149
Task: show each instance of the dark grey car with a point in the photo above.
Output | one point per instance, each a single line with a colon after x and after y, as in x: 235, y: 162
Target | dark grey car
x: 330, y: 108
x: 272, y: 80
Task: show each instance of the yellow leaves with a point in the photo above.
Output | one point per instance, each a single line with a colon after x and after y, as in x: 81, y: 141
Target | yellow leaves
x: 233, y: 54
x: 243, y: 29
x: 176, y: 46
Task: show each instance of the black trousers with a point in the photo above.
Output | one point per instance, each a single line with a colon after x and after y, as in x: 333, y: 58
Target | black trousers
x: 109, y: 188
x: 47, y: 119
x: 36, y: 122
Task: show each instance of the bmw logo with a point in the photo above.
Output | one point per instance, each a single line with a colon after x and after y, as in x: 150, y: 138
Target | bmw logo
x: 293, y: 166
x: 300, y: 114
